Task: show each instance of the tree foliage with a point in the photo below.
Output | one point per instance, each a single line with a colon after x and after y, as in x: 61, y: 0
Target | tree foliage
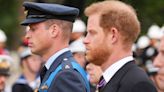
x: 149, y: 12
x: 9, y: 20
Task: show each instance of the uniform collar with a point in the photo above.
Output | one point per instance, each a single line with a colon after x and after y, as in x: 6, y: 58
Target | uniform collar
x: 54, y: 56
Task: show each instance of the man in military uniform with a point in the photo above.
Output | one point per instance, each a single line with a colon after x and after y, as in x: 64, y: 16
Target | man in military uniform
x: 49, y: 36
x: 4, y: 71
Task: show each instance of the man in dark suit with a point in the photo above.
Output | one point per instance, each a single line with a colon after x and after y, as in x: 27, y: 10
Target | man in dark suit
x: 49, y: 34
x: 112, y: 29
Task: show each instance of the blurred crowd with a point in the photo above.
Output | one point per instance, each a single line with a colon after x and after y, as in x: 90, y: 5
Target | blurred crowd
x: 20, y: 69
x: 146, y: 48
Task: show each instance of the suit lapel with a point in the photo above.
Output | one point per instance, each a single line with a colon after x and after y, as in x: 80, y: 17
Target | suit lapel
x: 113, y: 84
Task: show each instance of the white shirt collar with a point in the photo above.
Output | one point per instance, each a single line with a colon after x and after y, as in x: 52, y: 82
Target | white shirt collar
x: 53, y: 57
x: 110, y: 71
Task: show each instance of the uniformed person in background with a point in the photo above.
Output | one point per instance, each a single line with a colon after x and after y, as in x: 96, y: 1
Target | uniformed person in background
x: 49, y: 36
x: 4, y: 71
x: 78, y: 49
x: 95, y: 73
x: 3, y: 40
x: 29, y: 79
x: 78, y: 31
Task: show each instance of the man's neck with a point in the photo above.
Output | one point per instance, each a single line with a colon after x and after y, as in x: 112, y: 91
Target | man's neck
x: 51, y: 52
x: 114, y: 58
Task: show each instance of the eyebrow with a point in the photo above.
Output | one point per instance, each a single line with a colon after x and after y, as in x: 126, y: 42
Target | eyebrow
x: 91, y: 31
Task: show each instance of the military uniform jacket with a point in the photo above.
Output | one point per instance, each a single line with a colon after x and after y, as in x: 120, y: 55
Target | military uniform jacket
x: 130, y: 78
x: 67, y: 80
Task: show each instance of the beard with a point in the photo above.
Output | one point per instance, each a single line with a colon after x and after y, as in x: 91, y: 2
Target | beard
x: 98, y: 55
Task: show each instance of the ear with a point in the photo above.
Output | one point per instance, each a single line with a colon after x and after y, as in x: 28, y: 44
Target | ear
x: 114, y: 35
x: 54, y: 30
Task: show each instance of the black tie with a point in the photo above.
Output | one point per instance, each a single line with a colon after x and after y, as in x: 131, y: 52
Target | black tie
x: 43, y: 72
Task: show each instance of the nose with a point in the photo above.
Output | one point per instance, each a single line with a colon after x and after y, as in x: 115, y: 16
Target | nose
x: 86, y: 40
x: 27, y: 35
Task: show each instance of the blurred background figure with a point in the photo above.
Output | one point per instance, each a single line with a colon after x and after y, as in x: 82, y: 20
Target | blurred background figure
x: 159, y: 63
x: 3, y: 39
x: 76, y: 43
x: 150, y: 52
x: 78, y: 31
x: 78, y: 49
x: 147, y: 48
x: 144, y: 55
x: 29, y: 79
x: 95, y: 73
x: 5, y: 63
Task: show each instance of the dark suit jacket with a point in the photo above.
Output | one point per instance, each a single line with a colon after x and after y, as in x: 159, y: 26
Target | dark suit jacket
x: 130, y: 78
x: 66, y: 80
x: 22, y: 88
x: 21, y: 85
